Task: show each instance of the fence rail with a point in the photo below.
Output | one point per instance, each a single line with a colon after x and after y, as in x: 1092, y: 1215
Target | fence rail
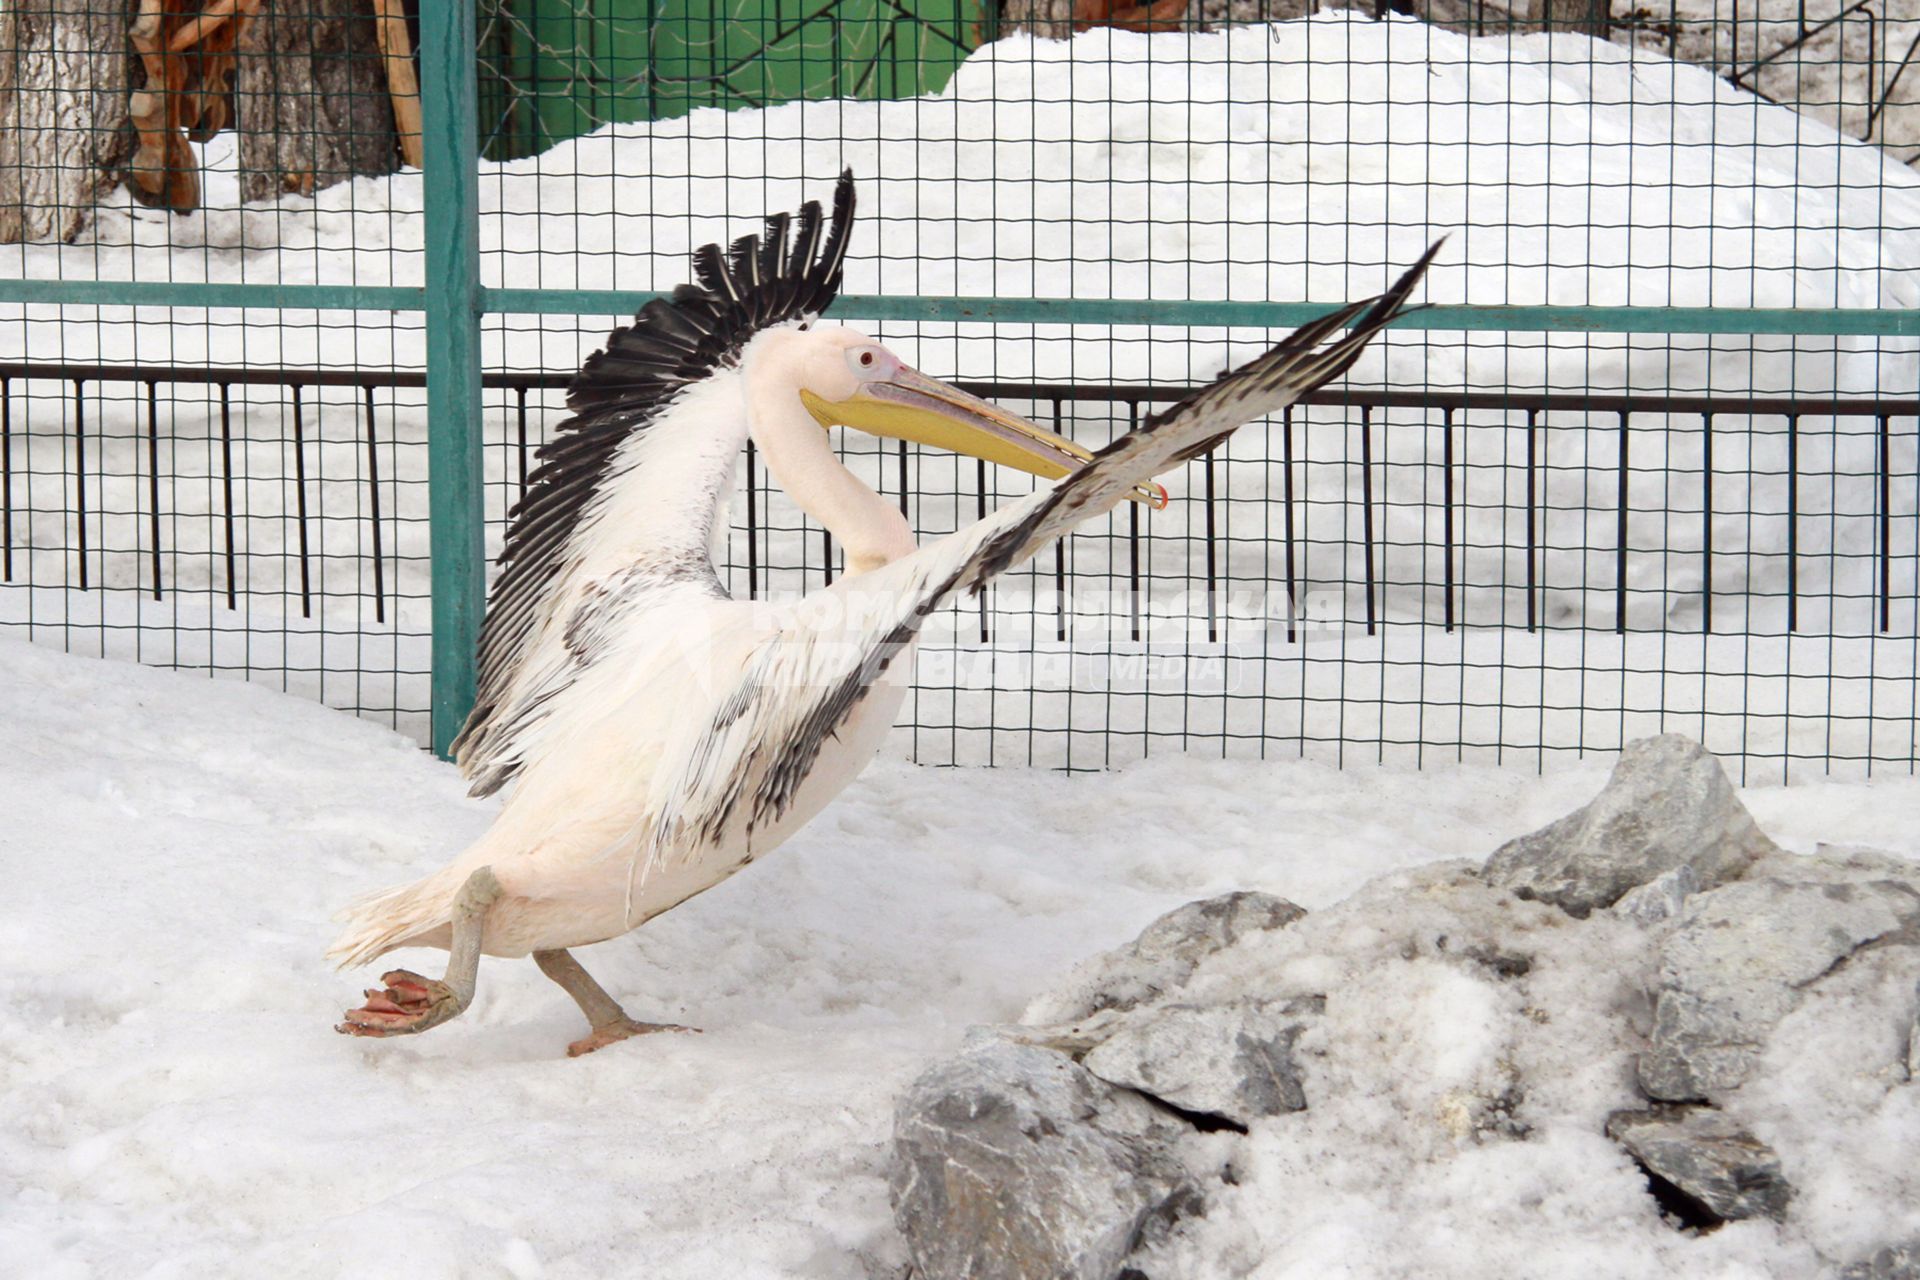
x: 1444, y: 551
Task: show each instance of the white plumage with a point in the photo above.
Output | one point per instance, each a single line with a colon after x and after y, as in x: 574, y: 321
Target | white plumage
x: 660, y: 735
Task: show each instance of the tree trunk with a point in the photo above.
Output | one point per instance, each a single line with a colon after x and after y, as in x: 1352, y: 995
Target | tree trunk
x: 1584, y: 17
x: 1051, y: 19
x: 313, y: 98
x: 63, y: 113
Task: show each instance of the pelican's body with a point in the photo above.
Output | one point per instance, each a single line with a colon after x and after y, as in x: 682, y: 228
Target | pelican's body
x: 566, y: 846
x: 585, y: 879
x: 660, y: 735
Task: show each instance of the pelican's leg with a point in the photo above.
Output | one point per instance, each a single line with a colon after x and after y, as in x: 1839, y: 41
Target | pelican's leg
x: 609, y: 1022
x: 412, y: 1003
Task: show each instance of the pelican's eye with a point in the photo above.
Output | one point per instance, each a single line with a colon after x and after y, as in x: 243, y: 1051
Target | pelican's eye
x: 871, y: 362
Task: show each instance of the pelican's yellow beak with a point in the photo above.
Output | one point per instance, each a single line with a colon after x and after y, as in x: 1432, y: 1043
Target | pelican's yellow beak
x: 911, y: 406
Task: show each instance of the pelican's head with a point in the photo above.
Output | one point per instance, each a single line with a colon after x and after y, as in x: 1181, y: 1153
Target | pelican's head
x: 846, y: 379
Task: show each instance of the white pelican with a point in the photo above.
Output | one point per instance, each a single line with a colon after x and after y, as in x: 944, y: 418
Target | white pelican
x: 661, y: 735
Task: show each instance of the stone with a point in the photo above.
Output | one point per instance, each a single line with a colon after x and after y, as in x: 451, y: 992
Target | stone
x: 1667, y: 805
x: 1504, y: 965
x: 1070, y: 1038
x: 1234, y: 1061
x: 1855, y: 862
x: 1011, y: 1161
x: 1738, y: 963
x: 1163, y: 956
x: 1913, y: 1037
x: 1892, y: 1262
x: 1724, y: 1172
x: 1659, y: 899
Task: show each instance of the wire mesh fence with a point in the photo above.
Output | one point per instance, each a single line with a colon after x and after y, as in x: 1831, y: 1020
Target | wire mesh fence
x: 1752, y: 586
x: 1649, y: 465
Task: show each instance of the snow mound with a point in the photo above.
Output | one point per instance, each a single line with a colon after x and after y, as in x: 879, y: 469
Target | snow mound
x: 1430, y: 1076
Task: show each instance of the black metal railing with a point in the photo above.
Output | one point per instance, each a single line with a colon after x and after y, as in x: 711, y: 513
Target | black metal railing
x: 311, y: 532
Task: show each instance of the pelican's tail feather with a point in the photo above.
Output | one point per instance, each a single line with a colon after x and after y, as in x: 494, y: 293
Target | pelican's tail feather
x: 390, y: 918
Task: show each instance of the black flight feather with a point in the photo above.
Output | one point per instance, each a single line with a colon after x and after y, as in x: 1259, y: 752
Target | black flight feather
x: 673, y: 343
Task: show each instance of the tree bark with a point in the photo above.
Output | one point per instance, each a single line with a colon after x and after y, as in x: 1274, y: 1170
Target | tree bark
x: 63, y: 113
x: 1585, y: 17
x: 314, y: 107
x: 1051, y: 19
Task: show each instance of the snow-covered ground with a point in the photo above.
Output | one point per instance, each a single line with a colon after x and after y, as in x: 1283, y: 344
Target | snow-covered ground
x: 1302, y: 160
x: 173, y: 1101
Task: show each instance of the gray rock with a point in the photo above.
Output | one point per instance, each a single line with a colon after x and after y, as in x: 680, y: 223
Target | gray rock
x: 1853, y: 862
x: 1667, y: 805
x: 1234, y: 1061
x: 1164, y: 955
x: 1708, y: 1157
x: 1913, y: 1037
x: 1893, y: 1262
x: 1737, y: 964
x: 1505, y: 965
x: 1660, y: 898
x: 1010, y: 1161
x: 1070, y: 1038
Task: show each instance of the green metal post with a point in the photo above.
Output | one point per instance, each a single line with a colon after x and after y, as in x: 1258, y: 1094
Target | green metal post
x: 449, y: 122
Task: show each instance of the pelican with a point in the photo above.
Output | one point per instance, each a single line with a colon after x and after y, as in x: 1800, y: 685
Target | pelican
x: 660, y: 735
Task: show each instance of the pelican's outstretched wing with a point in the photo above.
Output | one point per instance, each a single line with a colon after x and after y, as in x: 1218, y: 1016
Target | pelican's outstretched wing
x: 642, y: 446
x: 748, y: 763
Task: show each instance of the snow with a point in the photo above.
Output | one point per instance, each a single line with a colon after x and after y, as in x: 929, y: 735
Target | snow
x: 174, y: 1103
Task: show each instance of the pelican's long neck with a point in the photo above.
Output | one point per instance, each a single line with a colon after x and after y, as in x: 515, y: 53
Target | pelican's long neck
x: 798, y: 453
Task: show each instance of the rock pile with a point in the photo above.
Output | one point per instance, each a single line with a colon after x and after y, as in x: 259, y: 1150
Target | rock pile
x: 1623, y: 971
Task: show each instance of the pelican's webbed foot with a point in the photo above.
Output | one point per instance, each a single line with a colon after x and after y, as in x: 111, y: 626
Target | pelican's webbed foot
x: 411, y: 1003
x: 621, y: 1029
x: 609, y: 1021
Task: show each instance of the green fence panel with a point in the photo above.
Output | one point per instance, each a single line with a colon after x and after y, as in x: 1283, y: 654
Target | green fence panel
x: 556, y: 69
